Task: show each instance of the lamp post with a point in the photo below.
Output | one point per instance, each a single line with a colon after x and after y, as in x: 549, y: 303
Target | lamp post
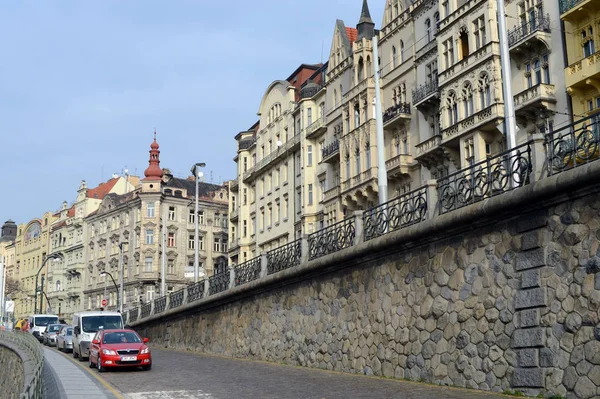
x: 114, y: 283
x: 55, y: 255
x: 197, y: 176
x: 121, y: 270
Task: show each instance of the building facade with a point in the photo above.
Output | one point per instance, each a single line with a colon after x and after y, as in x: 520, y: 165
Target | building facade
x: 142, y: 230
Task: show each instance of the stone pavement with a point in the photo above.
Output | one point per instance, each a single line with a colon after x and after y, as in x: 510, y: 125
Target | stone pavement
x: 66, y: 379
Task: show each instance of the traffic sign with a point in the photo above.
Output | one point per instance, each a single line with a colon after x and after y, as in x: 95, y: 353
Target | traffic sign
x: 104, y: 302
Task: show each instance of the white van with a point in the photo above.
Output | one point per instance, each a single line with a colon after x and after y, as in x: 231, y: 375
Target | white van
x: 87, y: 324
x: 38, y: 323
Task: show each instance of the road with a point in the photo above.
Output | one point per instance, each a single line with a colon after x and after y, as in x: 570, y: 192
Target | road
x: 186, y: 375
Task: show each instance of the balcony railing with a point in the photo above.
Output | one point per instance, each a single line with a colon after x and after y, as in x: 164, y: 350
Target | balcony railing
x: 247, y: 143
x: 540, y: 22
x: 331, y: 193
x: 331, y: 239
x: 428, y: 144
x: 316, y: 125
x: 395, y: 110
x: 535, y: 93
x: 566, y: 5
x: 425, y: 90
x: 279, y: 152
x: 330, y: 149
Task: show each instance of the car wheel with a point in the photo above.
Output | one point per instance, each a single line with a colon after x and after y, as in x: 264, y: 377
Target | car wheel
x: 90, y: 362
x: 74, y: 353
x: 99, y: 365
x: 80, y: 356
x: 146, y: 368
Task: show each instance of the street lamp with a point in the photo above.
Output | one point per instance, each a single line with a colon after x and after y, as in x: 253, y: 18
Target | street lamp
x: 197, y: 176
x: 121, y: 269
x: 55, y: 255
x: 114, y: 283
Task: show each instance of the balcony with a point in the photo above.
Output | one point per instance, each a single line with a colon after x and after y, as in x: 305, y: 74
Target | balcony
x: 316, y: 128
x: 235, y: 244
x: 277, y: 155
x: 234, y: 186
x: 427, y: 94
x: 359, y: 88
x: 429, y: 48
x: 398, y: 165
x: 531, y: 36
x: 331, y: 194
x: 330, y: 151
x: 396, y: 114
x: 529, y: 102
x: 359, y: 179
x: 478, y: 56
x: 430, y: 152
x: 487, y: 119
x: 575, y: 10
x: 74, y: 290
x: 234, y: 215
x: 246, y: 143
x: 583, y: 73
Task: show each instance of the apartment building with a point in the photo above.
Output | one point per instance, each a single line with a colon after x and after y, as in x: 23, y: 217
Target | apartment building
x: 140, y: 230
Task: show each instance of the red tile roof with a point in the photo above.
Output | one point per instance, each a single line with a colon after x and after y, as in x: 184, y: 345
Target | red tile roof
x: 103, y: 189
x: 71, y: 212
x: 352, y: 34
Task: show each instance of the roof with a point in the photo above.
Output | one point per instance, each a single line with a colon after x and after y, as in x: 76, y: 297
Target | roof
x: 352, y: 34
x: 314, y: 67
x: 190, y: 185
x: 103, y: 189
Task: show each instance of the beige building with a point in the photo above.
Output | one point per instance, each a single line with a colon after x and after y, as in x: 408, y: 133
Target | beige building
x: 68, y: 237
x: 148, y: 226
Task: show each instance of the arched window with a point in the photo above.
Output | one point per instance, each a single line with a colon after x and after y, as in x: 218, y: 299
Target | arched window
x: 394, y: 55
x: 452, y: 108
x: 356, y: 115
x: 341, y: 92
x: 360, y: 70
x: 368, y: 155
x: 357, y: 156
x: 402, y: 96
x: 485, y: 90
x: 428, y: 29
x: 58, y: 285
x: 334, y: 97
x: 347, y: 166
x: 468, y: 99
x: 401, y: 51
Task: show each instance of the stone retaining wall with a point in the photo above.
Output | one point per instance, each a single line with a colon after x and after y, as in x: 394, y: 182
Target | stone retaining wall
x: 502, y: 298
x: 12, y: 376
x: 21, y: 365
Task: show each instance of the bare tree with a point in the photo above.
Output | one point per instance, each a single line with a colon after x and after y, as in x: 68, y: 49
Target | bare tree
x: 13, y: 287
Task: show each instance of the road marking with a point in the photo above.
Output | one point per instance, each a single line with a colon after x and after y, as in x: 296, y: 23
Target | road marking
x: 171, y: 395
x: 93, y: 374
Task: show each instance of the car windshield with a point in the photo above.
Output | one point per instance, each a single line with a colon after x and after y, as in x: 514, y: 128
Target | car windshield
x: 54, y: 328
x: 44, y: 321
x: 69, y: 331
x: 92, y: 324
x: 121, y: 337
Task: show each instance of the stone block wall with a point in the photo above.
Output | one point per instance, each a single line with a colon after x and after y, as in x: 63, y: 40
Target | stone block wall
x: 12, y: 374
x: 508, y: 305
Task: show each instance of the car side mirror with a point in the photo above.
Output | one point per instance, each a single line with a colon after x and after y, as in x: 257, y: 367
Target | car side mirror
x: 77, y: 330
x: 95, y: 341
x: 146, y: 340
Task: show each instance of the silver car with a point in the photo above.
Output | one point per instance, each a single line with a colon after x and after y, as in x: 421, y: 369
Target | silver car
x: 64, y: 339
x: 49, y: 334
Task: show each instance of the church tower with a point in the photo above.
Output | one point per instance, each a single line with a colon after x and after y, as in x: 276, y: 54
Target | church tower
x: 154, y: 174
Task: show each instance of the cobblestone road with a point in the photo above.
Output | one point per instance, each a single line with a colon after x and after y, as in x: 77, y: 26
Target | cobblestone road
x: 179, y: 374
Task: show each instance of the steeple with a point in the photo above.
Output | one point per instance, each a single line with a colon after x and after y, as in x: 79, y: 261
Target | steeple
x: 365, y: 26
x: 154, y: 172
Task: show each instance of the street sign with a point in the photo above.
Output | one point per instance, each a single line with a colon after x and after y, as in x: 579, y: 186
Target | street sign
x: 104, y: 302
x: 10, y: 306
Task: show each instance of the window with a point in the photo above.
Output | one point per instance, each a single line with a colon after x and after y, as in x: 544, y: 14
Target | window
x: 546, y: 69
x: 464, y: 44
x: 468, y: 99
x: 171, y: 240
x: 262, y: 219
x: 244, y: 228
x: 448, y: 53
x: 191, y: 216
x: 446, y: 8
x: 537, y: 71
x: 322, y: 187
x: 347, y: 166
x: 587, y: 38
x: 276, y: 178
x: 357, y: 157
x: 309, y: 117
x: 191, y: 242
x: 149, y: 293
x: 201, y: 217
x: 479, y: 31
x: 528, y: 75
x: 469, y: 151
x: 394, y: 55
x: 148, y: 264
x: 277, y: 209
x: 485, y: 90
x: 217, y: 245
x: 368, y: 155
x: 452, y: 107
x: 253, y: 226
x: 245, y: 163
x: 150, y: 210
x: 149, y: 237
x: 298, y: 200
x: 201, y: 243
x: 310, y: 194
x: 309, y: 155
x: 171, y: 213
x: 171, y: 266
x: 269, y: 216
x: 285, y: 208
x: 245, y: 197
x: 401, y: 51
x: 359, y: 70
x: 428, y: 29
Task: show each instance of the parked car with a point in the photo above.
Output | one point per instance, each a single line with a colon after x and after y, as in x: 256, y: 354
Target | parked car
x: 49, y: 334
x: 64, y: 339
x: 119, y: 348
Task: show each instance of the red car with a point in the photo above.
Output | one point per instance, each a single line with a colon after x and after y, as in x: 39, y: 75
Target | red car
x: 119, y: 348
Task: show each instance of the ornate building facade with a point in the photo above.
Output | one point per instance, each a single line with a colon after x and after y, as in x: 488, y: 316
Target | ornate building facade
x: 139, y: 230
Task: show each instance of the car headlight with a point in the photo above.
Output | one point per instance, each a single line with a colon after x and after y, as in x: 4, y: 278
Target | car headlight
x: 108, y: 352
x: 145, y: 350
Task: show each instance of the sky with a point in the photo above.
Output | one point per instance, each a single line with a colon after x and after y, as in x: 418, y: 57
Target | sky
x: 83, y: 85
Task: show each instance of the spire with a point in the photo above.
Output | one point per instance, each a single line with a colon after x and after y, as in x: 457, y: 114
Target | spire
x: 365, y: 26
x: 154, y: 172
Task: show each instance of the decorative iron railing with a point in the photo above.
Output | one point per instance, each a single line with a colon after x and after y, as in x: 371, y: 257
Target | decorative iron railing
x: 425, y: 90
x: 488, y: 178
x: 247, y: 143
x: 330, y: 149
x: 331, y: 239
x: 405, y: 210
x: 160, y: 304
x: 566, y: 5
x: 247, y: 271
x: 133, y: 315
x: 145, y: 310
x: 395, y: 110
x: 573, y: 145
x: 176, y: 299
x: 284, y: 257
x: 539, y: 22
x: 195, y: 291
x: 218, y: 282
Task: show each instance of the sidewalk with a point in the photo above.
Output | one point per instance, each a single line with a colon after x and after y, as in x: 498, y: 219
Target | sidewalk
x: 67, y: 380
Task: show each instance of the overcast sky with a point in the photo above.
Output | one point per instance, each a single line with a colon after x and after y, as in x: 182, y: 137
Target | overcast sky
x: 84, y: 84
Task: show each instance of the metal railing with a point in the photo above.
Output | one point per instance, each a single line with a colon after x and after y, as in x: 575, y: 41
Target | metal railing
x: 284, y: 257
x: 30, y: 351
x: 395, y: 110
x: 331, y: 239
x: 425, y: 90
x: 540, y: 22
x: 247, y: 271
x: 218, y: 282
x: 160, y: 304
x: 405, y: 210
x: 495, y: 175
x: 176, y: 298
x: 195, y: 291
x: 566, y: 5
x: 145, y: 310
x: 330, y: 149
x: 573, y: 145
